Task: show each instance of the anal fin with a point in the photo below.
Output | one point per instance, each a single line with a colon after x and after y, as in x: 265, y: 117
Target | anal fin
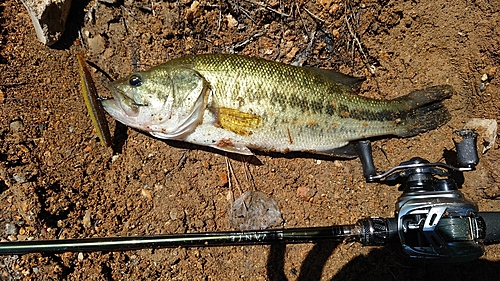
x: 243, y: 150
x: 346, y: 151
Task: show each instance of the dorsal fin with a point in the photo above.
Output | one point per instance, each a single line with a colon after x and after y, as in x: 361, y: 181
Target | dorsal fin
x: 349, y: 82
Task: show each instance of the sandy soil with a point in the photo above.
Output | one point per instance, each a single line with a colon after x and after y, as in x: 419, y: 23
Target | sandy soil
x: 54, y: 171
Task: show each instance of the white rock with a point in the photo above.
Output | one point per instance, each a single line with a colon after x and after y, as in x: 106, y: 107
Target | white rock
x: 487, y: 130
x: 231, y: 21
x: 49, y: 18
x: 484, y: 77
x: 96, y: 44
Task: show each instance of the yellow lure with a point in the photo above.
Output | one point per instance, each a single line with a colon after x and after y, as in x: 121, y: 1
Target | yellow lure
x: 94, y: 107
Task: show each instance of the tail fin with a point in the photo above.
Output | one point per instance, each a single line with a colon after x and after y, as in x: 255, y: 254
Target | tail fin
x: 426, y: 110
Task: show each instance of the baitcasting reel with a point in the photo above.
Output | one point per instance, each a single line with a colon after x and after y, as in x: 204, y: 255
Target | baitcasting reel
x: 433, y: 218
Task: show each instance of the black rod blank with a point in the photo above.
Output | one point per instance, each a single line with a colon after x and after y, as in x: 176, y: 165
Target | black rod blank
x: 252, y: 237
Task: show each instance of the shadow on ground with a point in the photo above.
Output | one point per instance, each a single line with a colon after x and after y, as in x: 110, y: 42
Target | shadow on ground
x: 385, y: 263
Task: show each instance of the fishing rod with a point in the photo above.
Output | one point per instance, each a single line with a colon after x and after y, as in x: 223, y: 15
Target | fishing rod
x: 433, y: 219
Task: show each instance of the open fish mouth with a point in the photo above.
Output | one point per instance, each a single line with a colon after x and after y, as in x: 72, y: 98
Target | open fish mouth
x: 121, y: 107
x: 121, y: 101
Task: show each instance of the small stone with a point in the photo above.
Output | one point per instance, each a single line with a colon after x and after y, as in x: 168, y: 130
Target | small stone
x: 306, y: 193
x: 86, y: 220
x: 223, y: 179
x: 114, y: 158
x: 193, y: 11
x: 173, y: 214
x: 325, y: 3
x: 334, y: 9
x: 302, y: 191
x: 487, y: 130
x: 108, y: 53
x: 11, y: 229
x: 292, y: 53
x: 96, y: 44
x: 19, y: 178
x: 17, y: 126
x: 49, y: 18
x: 146, y: 193
x: 482, y: 87
x: 22, y: 237
x: 80, y: 256
x: 336, y: 33
x: 484, y: 78
x: 231, y: 21
x: 337, y: 164
x: 492, y: 72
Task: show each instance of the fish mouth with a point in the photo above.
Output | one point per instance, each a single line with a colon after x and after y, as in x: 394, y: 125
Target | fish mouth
x: 121, y: 107
x: 121, y: 102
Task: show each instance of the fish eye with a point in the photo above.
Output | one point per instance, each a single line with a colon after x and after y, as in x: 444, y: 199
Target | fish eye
x: 135, y: 80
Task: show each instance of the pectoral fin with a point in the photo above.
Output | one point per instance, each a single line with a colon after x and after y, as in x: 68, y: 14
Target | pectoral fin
x: 237, y: 121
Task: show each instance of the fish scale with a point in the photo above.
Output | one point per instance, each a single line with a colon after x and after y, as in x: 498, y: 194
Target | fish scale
x: 237, y: 103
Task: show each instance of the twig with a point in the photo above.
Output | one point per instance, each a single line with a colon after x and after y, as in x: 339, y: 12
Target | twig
x: 148, y: 9
x: 248, y: 174
x: 229, y: 167
x: 130, y: 14
x: 180, y: 163
x: 241, y: 9
x: 219, y: 21
x: 301, y: 58
x: 81, y: 38
x: 356, y: 40
x: 230, y: 194
x: 12, y: 85
x: 125, y: 25
x: 301, y: 18
x: 7, y: 265
x: 267, y: 7
x: 243, y: 43
x: 314, y: 16
x: 247, y: 14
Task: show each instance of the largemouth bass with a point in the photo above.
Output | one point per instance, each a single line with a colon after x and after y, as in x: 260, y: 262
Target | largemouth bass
x: 236, y: 103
